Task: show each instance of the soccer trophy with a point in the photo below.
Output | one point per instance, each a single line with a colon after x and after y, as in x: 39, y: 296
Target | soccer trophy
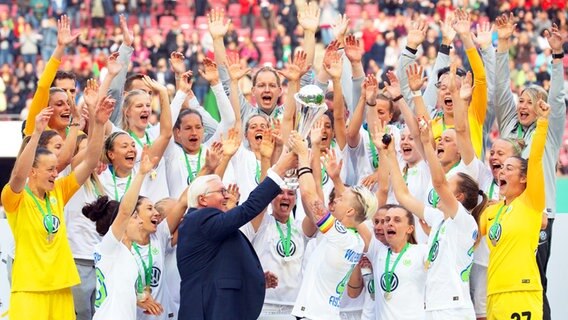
x: 310, y: 106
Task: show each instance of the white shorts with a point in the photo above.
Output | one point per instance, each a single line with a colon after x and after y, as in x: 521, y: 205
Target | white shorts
x: 351, y: 315
x: 478, y: 289
x: 462, y: 314
x: 276, y: 312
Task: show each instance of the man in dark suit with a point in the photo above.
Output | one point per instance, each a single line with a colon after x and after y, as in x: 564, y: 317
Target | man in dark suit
x: 221, y: 276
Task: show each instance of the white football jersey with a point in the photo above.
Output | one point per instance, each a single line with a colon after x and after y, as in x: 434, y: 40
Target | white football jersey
x: 406, y: 301
x: 328, y: 271
x: 447, y: 282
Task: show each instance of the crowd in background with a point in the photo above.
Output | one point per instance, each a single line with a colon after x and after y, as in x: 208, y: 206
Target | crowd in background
x: 262, y: 32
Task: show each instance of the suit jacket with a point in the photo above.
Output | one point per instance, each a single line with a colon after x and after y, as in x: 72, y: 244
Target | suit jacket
x: 221, y: 276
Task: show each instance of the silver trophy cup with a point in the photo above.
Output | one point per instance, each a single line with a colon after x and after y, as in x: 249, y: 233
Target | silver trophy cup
x: 310, y: 106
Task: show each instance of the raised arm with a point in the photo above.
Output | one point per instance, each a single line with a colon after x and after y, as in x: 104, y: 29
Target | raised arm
x: 69, y: 145
x: 313, y: 204
x: 505, y: 106
x: 175, y: 216
x: 478, y: 100
x: 556, y: 95
x: 161, y: 143
x: 334, y: 69
x: 459, y: 97
x: 222, y: 225
x: 416, y: 80
x: 534, y: 193
x: 293, y: 72
x: 226, y: 112
x: 25, y: 160
x: 316, y: 165
x: 236, y: 73
x: 230, y: 146
x: 442, y: 61
x: 309, y: 19
x: 128, y: 202
x: 333, y: 168
x: 388, y: 153
x: 116, y: 88
x: 95, y: 141
x: 369, y: 98
x: 41, y: 96
x: 415, y: 37
x: 448, y: 202
x: 394, y: 90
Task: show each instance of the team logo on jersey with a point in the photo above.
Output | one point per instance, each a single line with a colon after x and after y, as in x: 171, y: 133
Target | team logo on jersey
x: 54, y: 222
x: 339, y: 227
x: 495, y: 232
x: 434, y: 250
x: 101, y: 293
x: 466, y: 272
x: 156, y: 275
x: 393, y: 282
x: 543, y: 235
x: 371, y: 286
x: 431, y: 197
x: 324, y: 177
x: 280, y: 248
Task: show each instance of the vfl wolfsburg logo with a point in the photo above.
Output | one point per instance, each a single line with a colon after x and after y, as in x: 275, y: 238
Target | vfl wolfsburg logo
x: 156, y: 275
x: 280, y: 248
x: 324, y: 177
x: 434, y: 250
x: 54, y: 221
x: 371, y: 286
x: 339, y: 227
x: 431, y: 197
x: 495, y: 232
x: 101, y: 293
x: 393, y: 282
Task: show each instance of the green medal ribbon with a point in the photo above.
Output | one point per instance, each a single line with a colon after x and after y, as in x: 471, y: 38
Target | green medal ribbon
x: 495, y: 226
x: 389, y: 274
x: 491, y: 189
x: 434, y: 241
x: 147, y: 267
x: 520, y: 132
x: 148, y: 142
x: 114, y: 180
x: 188, y: 166
x: 49, y: 215
x: 285, y: 241
x: 374, y: 153
x: 257, y: 172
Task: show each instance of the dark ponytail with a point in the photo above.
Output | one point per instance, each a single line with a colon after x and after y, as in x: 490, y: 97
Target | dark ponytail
x: 102, y: 211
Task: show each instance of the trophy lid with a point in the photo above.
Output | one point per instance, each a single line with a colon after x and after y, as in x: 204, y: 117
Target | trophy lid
x: 310, y: 95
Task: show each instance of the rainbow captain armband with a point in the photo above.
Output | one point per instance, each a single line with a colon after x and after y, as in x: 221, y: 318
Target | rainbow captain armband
x: 326, y: 222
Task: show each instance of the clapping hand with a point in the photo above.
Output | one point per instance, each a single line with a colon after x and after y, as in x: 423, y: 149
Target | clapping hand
x: 231, y: 143
x: 104, y: 110
x: 147, y: 163
x: 233, y: 196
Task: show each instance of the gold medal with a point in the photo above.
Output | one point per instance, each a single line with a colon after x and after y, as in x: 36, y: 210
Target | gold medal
x: 148, y: 289
x: 153, y: 175
x: 142, y: 296
x: 494, y: 242
x: 388, y: 296
x: 427, y: 265
x: 49, y: 238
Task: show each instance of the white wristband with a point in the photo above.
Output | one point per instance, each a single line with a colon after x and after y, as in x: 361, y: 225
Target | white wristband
x: 417, y: 93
